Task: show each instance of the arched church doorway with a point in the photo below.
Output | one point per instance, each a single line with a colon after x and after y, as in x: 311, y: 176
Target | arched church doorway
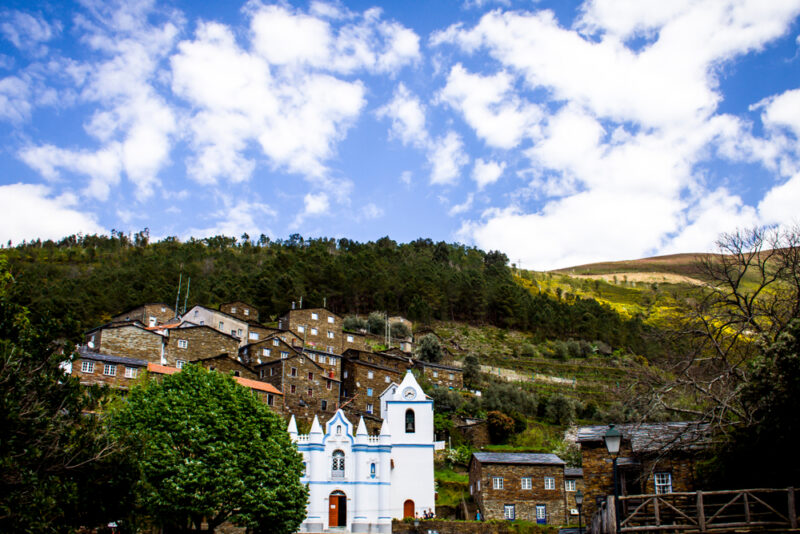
x: 408, y: 508
x: 337, y: 509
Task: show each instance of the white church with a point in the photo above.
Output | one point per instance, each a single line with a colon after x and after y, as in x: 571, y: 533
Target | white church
x: 359, y: 483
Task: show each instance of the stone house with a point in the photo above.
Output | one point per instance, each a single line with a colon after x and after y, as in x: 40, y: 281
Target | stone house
x: 240, y: 310
x: 365, y: 375
x: 441, y: 375
x: 219, y: 320
x: 331, y: 363
x: 270, y: 349
x: 353, y: 340
x: 224, y: 363
x: 573, y: 482
x: 528, y: 486
x: 128, y: 340
x: 264, y: 391
x: 317, y: 327
x: 193, y: 342
x: 308, y: 388
x: 653, y: 458
x: 95, y: 368
x: 152, y: 314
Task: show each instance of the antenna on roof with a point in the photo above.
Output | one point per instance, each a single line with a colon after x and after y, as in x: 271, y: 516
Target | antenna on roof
x: 178, y: 296
x: 301, y: 302
x: 188, y: 285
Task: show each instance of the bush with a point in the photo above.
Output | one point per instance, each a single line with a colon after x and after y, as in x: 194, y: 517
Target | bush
x: 376, y: 323
x: 472, y: 370
x: 500, y: 426
x: 354, y: 323
x: 507, y: 397
x: 528, y: 351
x: 429, y: 349
x: 445, y: 400
x: 560, y: 410
x: 400, y: 330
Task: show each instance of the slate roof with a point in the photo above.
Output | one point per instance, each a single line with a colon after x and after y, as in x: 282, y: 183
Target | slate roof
x: 573, y: 472
x: 529, y: 458
x: 650, y: 437
x: 98, y: 356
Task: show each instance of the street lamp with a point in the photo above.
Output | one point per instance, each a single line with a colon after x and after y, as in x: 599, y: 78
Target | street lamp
x: 579, y: 504
x: 613, y: 439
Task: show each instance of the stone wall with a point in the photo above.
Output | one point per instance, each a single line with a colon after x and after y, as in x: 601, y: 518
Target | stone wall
x: 291, y: 377
x: 98, y: 376
x: 227, y: 365
x: 443, y: 377
x: 130, y: 341
x: 239, y: 309
x: 201, y: 342
x: 361, y: 377
x: 492, y: 501
x: 477, y: 434
x: 468, y: 527
x: 160, y: 311
x: 317, y: 320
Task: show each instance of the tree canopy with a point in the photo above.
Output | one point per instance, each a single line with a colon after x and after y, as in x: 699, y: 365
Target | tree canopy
x: 210, y: 451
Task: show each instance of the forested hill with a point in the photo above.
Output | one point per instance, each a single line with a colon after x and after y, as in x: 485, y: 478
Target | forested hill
x: 83, y: 280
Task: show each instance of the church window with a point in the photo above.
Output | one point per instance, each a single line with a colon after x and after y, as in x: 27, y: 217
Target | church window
x: 410, y: 421
x: 372, y: 470
x: 337, y: 466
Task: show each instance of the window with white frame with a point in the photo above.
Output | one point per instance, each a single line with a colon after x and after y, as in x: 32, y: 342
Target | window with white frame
x: 570, y: 485
x: 180, y: 363
x: 301, y: 329
x: 246, y: 312
x: 509, y: 512
x: 330, y: 349
x: 254, y: 336
x: 387, y: 379
x: 315, y: 316
x: 436, y: 374
x: 344, y: 373
x: 479, y: 485
x: 370, y: 374
x: 323, y: 358
x: 183, y: 343
x: 131, y: 372
x: 314, y: 331
x: 276, y: 342
x: 663, y: 483
x: 330, y: 319
x: 369, y: 408
x: 284, y: 354
x: 233, y: 310
x: 110, y: 369
x: 450, y: 376
x: 221, y: 325
x: 350, y: 339
x: 87, y: 367
x: 497, y: 483
x: 239, y: 333
x: 369, y: 392
x: 337, y: 465
x: 266, y: 352
x: 541, y: 512
x: 153, y: 321
x: 527, y: 483
x: 330, y: 334
x: 549, y: 483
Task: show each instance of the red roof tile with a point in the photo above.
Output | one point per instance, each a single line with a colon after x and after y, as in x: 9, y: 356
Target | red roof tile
x: 255, y: 384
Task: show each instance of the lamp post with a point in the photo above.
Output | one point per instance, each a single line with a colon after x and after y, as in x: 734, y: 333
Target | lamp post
x: 579, y: 504
x: 613, y: 439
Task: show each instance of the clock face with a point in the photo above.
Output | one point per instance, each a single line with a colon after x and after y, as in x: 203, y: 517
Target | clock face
x: 409, y: 393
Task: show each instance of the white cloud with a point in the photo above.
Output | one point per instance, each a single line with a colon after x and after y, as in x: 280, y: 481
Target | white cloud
x: 28, y: 33
x: 487, y: 172
x: 408, y: 117
x: 779, y: 205
x: 615, y: 163
x: 29, y: 211
x: 490, y: 106
x: 133, y: 123
x: 15, y: 97
x: 235, y: 219
x: 405, y: 177
x: 463, y: 207
x: 446, y: 158
x: 371, y: 211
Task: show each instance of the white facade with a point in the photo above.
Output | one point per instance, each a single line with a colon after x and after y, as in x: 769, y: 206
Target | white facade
x: 362, y: 482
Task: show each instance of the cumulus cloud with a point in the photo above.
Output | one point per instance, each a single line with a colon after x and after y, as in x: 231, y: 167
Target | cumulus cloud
x: 625, y: 112
x: 30, y: 211
x: 487, y: 172
x: 464, y: 206
x: 133, y: 124
x: 407, y: 114
x: 235, y: 219
x: 446, y: 158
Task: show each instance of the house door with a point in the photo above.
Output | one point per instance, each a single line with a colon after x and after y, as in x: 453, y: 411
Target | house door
x: 408, y: 508
x: 337, y: 509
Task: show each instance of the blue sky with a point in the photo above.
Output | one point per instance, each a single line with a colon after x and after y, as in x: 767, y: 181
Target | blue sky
x: 558, y: 132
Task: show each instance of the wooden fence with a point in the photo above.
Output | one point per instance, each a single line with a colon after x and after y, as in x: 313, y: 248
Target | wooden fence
x: 745, y: 510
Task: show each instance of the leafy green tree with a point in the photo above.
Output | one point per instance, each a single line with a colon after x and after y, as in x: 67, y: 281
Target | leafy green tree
x: 208, y: 449
x: 376, y: 323
x: 59, y: 468
x: 560, y: 410
x: 500, y: 426
x: 429, y: 349
x: 354, y: 323
x: 400, y: 331
x: 472, y: 370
